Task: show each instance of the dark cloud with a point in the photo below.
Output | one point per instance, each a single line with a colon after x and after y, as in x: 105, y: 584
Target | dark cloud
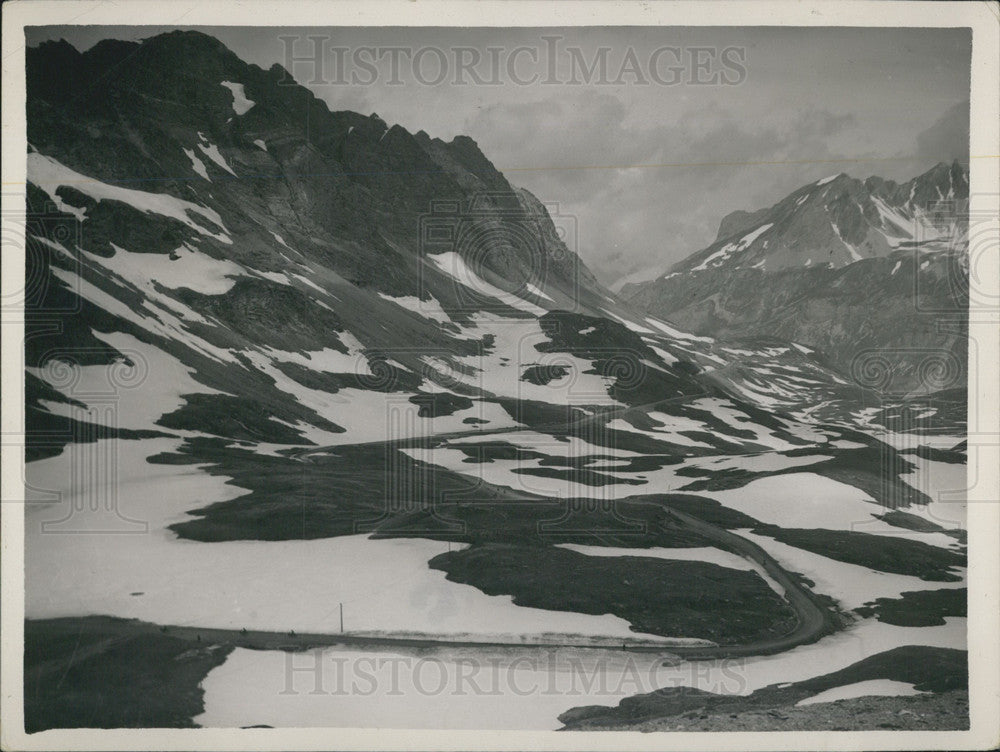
x: 647, y: 194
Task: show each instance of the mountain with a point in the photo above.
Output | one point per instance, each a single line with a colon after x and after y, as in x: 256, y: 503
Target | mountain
x: 320, y: 364
x: 218, y: 212
x: 180, y: 206
x: 855, y: 269
x: 839, y: 220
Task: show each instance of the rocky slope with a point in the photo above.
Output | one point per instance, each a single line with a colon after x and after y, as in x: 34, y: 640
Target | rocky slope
x: 863, y: 271
x: 839, y: 701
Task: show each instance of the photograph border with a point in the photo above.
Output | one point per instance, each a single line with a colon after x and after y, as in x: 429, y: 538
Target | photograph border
x: 984, y: 395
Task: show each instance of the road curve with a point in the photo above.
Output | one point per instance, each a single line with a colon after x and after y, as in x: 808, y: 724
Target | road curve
x: 814, y: 619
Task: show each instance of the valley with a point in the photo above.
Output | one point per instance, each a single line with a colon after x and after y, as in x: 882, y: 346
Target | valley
x: 281, y: 406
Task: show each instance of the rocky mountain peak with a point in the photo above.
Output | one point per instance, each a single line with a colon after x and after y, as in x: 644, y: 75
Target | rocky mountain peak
x: 839, y: 220
x: 810, y: 266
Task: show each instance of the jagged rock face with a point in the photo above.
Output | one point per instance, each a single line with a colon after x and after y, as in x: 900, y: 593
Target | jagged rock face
x: 347, y: 189
x: 841, y: 265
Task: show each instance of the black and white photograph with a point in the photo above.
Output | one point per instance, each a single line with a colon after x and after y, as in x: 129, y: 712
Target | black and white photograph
x: 502, y: 375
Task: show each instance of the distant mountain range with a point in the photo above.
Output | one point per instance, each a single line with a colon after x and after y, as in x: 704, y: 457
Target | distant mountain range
x: 849, y: 267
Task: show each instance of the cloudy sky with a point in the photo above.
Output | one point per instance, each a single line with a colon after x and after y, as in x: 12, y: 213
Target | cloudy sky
x: 649, y: 154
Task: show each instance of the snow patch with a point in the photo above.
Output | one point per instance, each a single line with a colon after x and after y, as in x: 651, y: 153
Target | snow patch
x: 515, y: 348
x: 430, y: 309
x: 49, y: 175
x: 855, y: 256
x: 241, y: 105
x: 829, y: 505
x: 665, y: 356
x: 633, y: 326
x: 537, y: 291
x: 851, y: 585
x: 666, y: 329
x: 564, y: 447
x: 455, y: 267
x: 162, y: 322
x: 197, y: 164
x: 327, y: 359
x: 706, y: 554
x: 184, y: 268
x: 748, y: 239
x: 870, y: 688
x: 152, y: 386
x: 306, y: 281
x: 212, y: 152
x: 730, y: 248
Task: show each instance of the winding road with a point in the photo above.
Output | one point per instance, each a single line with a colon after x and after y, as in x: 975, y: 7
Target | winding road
x: 813, y: 621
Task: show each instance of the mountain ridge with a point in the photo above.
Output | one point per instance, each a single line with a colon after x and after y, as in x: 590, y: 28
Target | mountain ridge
x: 808, y: 268
x: 366, y: 160
x: 866, y: 218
